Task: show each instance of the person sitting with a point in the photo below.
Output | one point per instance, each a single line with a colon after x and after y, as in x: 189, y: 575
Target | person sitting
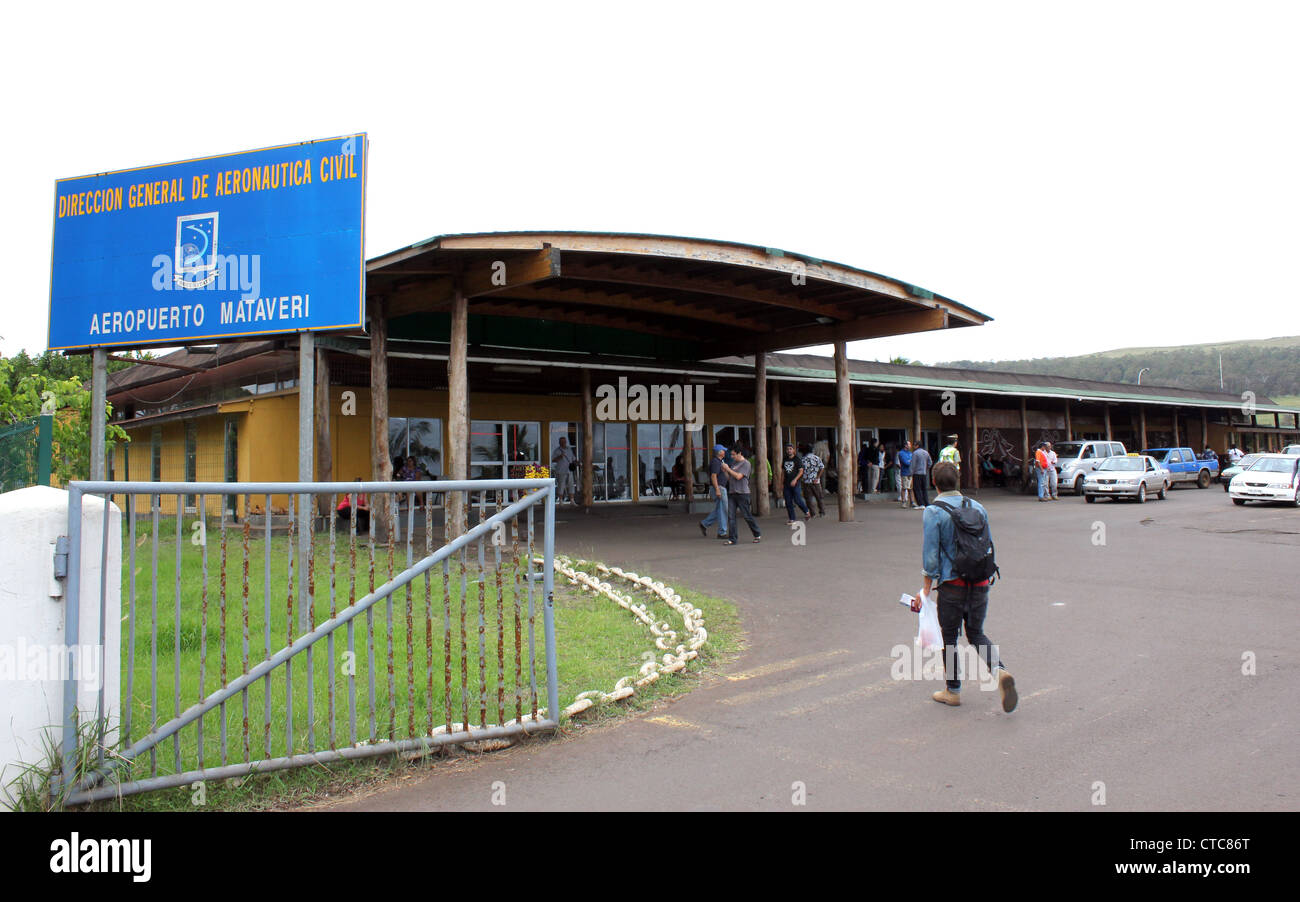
x: 409, y: 472
x: 678, y: 480
x: 362, y: 510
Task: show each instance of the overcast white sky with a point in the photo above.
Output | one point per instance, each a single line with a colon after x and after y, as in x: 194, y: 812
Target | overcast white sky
x: 1091, y: 175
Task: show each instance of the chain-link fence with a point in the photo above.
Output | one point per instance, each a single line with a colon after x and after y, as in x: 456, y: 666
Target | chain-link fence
x: 25, y: 453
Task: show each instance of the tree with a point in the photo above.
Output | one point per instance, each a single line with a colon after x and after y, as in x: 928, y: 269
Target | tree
x: 29, y: 395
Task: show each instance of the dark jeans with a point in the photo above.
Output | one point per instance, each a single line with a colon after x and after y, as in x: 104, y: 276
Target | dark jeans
x: 740, y: 507
x: 921, y: 489
x: 363, y: 518
x: 815, y: 497
x: 960, y: 605
x: 793, y: 499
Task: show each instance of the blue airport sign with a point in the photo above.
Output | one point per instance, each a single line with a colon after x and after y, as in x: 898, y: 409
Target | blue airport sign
x: 256, y: 243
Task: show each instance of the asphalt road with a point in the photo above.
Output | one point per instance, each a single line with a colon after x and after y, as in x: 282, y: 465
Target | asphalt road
x: 1128, y: 656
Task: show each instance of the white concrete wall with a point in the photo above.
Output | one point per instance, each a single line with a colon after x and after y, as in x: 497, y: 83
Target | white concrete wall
x: 32, y: 622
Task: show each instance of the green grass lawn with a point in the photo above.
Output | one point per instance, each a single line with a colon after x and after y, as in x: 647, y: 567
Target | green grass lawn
x: 402, y: 642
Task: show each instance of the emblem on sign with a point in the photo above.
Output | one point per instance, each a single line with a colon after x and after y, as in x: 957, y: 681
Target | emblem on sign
x: 196, y: 250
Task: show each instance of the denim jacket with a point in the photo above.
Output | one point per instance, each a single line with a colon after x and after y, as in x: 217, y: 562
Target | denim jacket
x: 937, y: 542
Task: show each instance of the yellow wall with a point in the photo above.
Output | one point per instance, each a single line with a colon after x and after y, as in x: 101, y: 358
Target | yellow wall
x: 268, y: 434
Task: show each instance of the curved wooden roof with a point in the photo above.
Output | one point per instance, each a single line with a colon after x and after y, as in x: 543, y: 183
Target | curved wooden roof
x: 706, y: 298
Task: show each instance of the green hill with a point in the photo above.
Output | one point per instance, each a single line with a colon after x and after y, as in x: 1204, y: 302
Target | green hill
x: 1268, y: 367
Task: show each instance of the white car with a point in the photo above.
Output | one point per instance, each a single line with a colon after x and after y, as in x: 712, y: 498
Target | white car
x: 1273, y: 477
x: 1131, y: 476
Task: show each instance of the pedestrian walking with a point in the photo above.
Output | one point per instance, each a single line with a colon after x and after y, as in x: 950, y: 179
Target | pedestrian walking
x: 905, y: 475
x: 738, y: 496
x: 812, y: 479
x: 921, y: 464
x: 791, y: 478
x: 954, y: 530
x: 718, y: 486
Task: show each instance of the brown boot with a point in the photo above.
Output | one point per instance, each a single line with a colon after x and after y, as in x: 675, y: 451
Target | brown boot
x: 1007, y: 686
x: 948, y: 697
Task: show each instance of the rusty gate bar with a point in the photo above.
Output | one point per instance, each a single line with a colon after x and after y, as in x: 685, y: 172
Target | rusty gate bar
x: 510, y: 503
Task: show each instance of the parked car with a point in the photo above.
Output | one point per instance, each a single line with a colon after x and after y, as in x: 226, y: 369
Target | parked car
x: 1292, y: 450
x: 1273, y: 477
x: 1184, y: 466
x: 1132, y: 476
x: 1226, y: 474
x: 1075, y: 460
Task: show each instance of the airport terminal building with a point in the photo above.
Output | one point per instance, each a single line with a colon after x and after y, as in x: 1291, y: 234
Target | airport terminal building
x: 483, y: 350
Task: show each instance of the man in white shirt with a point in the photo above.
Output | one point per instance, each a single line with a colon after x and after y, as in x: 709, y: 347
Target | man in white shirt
x: 562, y: 469
x: 1052, y: 473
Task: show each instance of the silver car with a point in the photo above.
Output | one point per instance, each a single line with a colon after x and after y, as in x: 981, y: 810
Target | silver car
x: 1132, y: 476
x: 1075, y: 460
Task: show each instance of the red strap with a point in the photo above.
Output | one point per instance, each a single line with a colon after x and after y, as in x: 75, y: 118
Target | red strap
x: 963, y: 584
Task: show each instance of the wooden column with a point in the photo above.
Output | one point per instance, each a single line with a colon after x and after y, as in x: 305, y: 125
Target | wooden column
x: 688, y: 454
x: 1069, y: 426
x: 1177, y: 442
x: 1024, y: 440
x: 1142, y: 427
x: 380, y: 461
x: 847, y: 454
x: 853, y: 443
x: 1105, y: 409
x: 974, y: 445
x: 588, y: 444
x: 776, y: 445
x: 758, y: 479
x: 1205, y: 430
x: 458, y: 409
x: 324, y: 451
x: 916, y: 418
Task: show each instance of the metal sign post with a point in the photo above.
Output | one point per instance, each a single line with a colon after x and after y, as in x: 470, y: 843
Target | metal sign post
x: 306, y: 458
x: 98, y: 411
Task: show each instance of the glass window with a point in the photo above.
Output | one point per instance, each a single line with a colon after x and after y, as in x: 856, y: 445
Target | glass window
x: 493, y: 445
x: 191, y: 459
x: 155, y: 454
x: 523, y: 441
x: 612, y: 462
x: 232, y: 460
x: 424, y: 443
x: 486, y: 450
x: 650, y: 460
x: 734, y: 435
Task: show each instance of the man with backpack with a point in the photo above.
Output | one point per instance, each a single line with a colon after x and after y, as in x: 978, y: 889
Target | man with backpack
x: 957, y: 557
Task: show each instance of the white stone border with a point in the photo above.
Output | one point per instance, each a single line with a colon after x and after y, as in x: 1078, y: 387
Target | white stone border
x: 676, y: 655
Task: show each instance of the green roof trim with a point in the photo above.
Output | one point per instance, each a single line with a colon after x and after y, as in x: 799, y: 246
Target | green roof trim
x: 997, y: 387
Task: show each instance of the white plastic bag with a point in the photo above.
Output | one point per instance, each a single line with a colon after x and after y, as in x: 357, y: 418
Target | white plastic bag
x: 928, y: 634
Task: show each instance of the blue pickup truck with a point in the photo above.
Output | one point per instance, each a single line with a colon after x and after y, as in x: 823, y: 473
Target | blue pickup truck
x: 1184, y: 466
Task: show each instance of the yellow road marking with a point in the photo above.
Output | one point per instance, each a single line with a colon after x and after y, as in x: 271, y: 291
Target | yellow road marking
x: 757, y: 695
x: 669, y: 721
x: 786, y: 665
x: 843, y: 697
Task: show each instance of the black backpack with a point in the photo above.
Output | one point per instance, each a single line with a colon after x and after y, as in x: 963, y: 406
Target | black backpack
x: 973, y: 557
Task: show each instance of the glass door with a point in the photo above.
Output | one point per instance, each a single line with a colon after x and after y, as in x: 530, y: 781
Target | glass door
x: 611, y: 473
